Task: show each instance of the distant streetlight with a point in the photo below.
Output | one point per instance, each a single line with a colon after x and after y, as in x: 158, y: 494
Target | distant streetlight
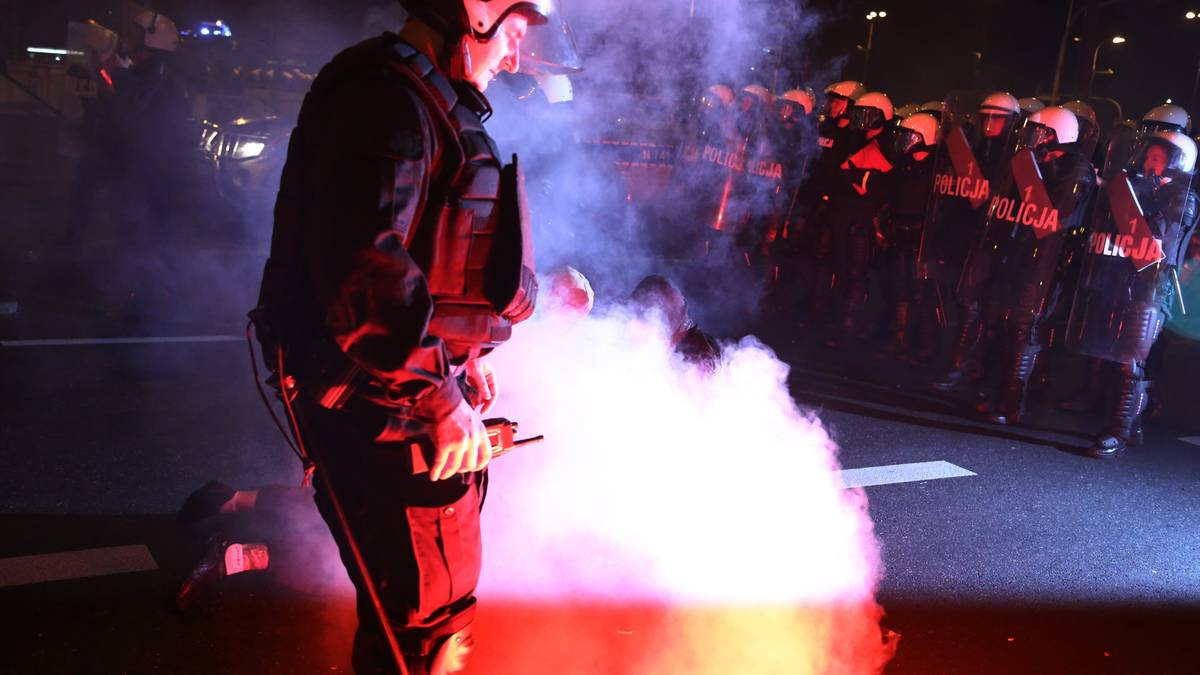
x: 1190, y: 15
x: 1116, y: 40
x: 872, y: 17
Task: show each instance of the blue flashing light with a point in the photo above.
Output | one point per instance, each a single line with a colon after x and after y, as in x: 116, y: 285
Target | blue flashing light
x: 214, y: 29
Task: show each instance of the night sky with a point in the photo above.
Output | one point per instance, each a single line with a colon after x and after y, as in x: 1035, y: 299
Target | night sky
x: 920, y: 51
x: 923, y: 49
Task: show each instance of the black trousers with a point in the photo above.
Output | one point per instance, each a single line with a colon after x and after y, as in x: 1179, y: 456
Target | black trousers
x: 420, y: 539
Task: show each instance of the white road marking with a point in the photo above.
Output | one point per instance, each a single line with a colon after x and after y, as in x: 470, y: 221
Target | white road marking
x: 120, y: 341
x: 1029, y: 435
x: 1194, y: 440
x: 902, y: 473
x: 92, y: 562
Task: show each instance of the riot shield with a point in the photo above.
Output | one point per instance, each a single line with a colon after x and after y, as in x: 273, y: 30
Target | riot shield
x: 1036, y: 209
x: 966, y: 164
x: 705, y: 165
x: 1129, y: 277
x: 727, y: 176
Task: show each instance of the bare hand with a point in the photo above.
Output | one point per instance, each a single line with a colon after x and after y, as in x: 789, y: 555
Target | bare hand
x: 461, y: 442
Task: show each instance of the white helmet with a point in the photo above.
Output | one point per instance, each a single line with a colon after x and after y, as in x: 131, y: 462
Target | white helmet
x: 1082, y: 110
x: 846, y: 89
x: 1168, y: 116
x: 934, y: 108
x: 908, y: 109
x: 721, y: 92
x: 1185, y: 159
x: 1062, y: 121
x: 1000, y: 102
x: 479, y: 18
x: 1030, y: 104
x: 924, y: 124
x: 757, y: 90
x: 161, y: 32
x: 800, y: 97
x: 568, y: 290
x: 876, y: 99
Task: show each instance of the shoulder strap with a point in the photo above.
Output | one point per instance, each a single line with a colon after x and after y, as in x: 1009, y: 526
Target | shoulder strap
x: 437, y: 93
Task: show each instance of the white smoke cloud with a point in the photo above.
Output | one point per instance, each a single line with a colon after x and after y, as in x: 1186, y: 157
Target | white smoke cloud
x: 708, y: 502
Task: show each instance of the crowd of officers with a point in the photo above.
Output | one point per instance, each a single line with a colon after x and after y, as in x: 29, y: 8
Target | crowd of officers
x: 967, y: 235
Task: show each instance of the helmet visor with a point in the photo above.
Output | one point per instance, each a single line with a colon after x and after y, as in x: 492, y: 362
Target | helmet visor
x: 1154, y: 156
x: 550, y: 49
x: 905, y: 141
x: 1035, y: 135
x: 866, y: 118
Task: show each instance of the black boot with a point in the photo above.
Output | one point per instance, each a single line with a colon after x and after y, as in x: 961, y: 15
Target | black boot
x: 1011, y: 404
x: 204, y: 575
x: 1124, y: 422
x: 964, y: 347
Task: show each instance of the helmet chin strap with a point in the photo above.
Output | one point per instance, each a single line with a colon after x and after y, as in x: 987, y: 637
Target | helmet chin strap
x: 465, y: 48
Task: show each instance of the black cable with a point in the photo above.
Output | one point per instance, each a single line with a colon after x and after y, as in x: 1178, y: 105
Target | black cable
x: 263, y: 394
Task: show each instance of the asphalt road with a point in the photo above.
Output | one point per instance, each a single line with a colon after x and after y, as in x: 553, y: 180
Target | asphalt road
x: 1042, y: 561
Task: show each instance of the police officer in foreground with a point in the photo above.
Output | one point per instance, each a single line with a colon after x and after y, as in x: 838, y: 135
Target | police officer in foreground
x: 1128, y: 285
x: 377, y: 306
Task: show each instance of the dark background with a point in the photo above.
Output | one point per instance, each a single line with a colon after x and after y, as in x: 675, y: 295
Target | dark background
x: 919, y: 52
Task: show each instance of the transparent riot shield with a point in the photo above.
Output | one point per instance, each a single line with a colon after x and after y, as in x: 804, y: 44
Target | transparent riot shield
x: 1129, y: 281
x: 1037, y: 208
x: 969, y: 158
x: 709, y: 157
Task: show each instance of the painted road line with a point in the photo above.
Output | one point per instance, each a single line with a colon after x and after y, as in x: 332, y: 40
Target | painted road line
x: 953, y: 423
x: 902, y: 473
x: 1194, y: 440
x: 92, y: 562
x: 121, y: 341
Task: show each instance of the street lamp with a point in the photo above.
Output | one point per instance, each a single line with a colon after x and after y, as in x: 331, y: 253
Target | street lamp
x: 1116, y: 40
x: 872, y: 17
x: 1191, y: 16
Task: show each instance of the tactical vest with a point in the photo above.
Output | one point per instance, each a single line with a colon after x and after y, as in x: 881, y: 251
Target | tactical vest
x: 473, y: 241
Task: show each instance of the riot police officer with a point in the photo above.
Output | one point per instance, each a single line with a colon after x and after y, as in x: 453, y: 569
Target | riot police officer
x: 913, y: 303
x: 977, y: 142
x: 861, y: 192
x: 376, y: 308
x: 1037, y: 209
x: 1127, y: 287
x: 793, y: 137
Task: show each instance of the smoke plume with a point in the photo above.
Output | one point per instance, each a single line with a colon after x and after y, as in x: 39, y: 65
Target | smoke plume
x: 675, y: 521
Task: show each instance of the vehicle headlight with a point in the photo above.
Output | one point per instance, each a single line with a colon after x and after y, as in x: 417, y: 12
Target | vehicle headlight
x: 226, y: 145
x: 247, y: 149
